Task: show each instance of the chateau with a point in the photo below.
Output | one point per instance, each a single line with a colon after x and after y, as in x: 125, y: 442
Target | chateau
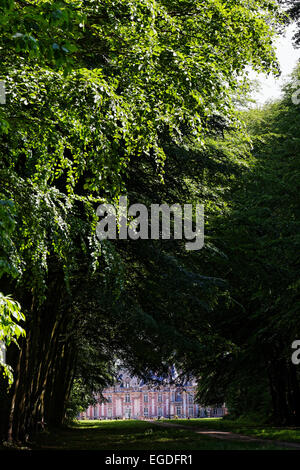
x: 131, y: 398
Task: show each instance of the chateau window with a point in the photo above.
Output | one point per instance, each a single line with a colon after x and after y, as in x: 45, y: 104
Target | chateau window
x: 191, y: 411
x: 159, y: 397
x: 178, y: 410
x: 146, y: 412
x: 109, y: 412
x: 109, y: 399
x: 191, y: 398
x: 159, y: 411
x: 127, y: 398
x: 146, y: 398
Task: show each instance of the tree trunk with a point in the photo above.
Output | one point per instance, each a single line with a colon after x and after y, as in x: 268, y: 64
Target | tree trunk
x: 44, y: 367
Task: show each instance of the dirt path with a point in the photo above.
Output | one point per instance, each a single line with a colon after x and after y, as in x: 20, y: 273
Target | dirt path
x: 228, y: 435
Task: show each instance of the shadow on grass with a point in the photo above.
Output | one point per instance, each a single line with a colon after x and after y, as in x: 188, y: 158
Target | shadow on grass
x: 135, y: 435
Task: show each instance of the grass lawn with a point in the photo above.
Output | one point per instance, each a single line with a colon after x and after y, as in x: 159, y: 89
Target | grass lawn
x: 288, y: 434
x: 136, y: 435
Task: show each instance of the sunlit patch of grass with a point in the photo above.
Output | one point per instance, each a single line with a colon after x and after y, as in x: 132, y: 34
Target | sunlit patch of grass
x: 287, y: 434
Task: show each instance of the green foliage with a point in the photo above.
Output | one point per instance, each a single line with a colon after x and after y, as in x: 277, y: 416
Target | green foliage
x: 293, y: 9
x: 260, y: 236
x: 99, y: 96
x: 39, y: 30
x: 8, y: 255
x: 80, y: 399
x: 10, y: 310
x: 10, y: 330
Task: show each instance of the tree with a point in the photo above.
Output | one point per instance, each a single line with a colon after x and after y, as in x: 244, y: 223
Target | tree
x: 260, y: 236
x: 293, y: 10
x: 142, y: 73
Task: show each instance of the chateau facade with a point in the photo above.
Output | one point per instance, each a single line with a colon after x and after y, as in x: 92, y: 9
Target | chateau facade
x: 131, y: 398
